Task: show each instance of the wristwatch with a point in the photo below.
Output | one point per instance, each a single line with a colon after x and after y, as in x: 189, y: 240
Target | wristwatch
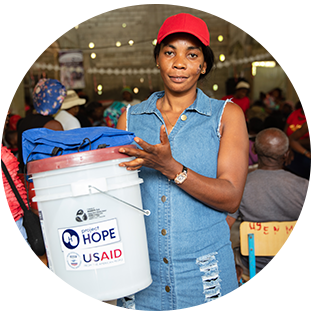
x: 181, y: 177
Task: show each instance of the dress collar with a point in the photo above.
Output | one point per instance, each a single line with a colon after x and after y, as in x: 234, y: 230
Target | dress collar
x: 202, y: 104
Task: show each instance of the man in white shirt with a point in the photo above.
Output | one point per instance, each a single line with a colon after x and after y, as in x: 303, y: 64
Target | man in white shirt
x: 127, y: 97
x: 70, y: 108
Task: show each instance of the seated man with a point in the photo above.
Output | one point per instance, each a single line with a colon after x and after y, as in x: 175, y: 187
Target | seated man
x: 271, y: 193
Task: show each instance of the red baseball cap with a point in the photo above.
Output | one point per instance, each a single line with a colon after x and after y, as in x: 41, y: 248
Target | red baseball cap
x: 184, y: 23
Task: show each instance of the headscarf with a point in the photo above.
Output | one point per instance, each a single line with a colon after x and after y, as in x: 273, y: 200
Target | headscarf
x: 48, y: 96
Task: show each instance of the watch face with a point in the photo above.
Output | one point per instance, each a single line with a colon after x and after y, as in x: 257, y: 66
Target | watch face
x: 180, y: 178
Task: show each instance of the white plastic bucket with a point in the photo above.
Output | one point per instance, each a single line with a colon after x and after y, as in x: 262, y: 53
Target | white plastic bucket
x: 95, y: 240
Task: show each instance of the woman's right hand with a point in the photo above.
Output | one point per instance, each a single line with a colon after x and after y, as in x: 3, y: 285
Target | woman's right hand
x: 4, y: 273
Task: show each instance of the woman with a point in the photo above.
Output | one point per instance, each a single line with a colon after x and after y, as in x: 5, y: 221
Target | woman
x: 17, y: 272
x: 48, y: 96
x: 296, y: 144
x: 240, y: 96
x: 194, y: 162
x: 67, y: 115
x: 301, y: 163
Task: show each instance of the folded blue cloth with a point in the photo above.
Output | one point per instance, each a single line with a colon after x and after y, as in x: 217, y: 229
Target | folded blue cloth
x: 43, y: 143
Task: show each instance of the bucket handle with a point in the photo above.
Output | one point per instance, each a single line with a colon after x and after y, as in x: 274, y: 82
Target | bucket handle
x: 146, y: 212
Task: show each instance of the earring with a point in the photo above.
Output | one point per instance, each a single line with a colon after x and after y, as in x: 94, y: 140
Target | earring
x: 203, y: 72
x: 158, y: 66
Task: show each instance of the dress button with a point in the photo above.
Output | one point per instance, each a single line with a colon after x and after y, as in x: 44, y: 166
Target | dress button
x: 183, y: 117
x: 163, y: 198
x: 167, y: 288
x: 165, y: 260
x: 163, y: 232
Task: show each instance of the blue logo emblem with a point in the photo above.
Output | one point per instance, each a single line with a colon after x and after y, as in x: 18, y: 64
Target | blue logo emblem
x: 70, y: 239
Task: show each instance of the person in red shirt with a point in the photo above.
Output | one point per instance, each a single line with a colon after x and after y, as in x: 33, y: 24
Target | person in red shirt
x: 299, y: 164
x: 295, y: 120
x: 240, y: 96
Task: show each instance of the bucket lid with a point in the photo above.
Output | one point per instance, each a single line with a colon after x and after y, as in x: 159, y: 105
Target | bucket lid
x: 76, y: 159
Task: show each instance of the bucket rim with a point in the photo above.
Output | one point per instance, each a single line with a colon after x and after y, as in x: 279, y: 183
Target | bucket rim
x: 76, y: 159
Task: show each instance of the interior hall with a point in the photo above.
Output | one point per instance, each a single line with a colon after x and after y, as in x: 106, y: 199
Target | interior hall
x: 103, y: 54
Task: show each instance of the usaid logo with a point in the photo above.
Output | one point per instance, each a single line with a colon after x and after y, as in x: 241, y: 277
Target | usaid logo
x: 70, y: 239
x: 73, y: 260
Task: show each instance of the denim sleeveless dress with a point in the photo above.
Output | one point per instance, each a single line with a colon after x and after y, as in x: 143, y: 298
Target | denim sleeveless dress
x: 189, y: 243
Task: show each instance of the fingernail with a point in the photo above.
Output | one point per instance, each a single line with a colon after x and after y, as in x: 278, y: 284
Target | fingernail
x: 121, y: 165
x: 136, y: 140
x: 122, y: 150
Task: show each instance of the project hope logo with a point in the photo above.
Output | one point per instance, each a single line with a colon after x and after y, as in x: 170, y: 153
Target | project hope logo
x: 97, y: 245
x: 88, y: 236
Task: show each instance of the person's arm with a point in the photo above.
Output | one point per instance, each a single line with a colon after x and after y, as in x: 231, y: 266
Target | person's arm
x: 122, y: 121
x: 4, y: 273
x: 223, y: 193
x: 294, y: 142
x: 305, y: 142
x: 54, y: 125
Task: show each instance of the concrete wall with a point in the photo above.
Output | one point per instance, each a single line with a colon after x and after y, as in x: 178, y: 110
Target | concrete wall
x: 102, y: 24
x: 142, y: 25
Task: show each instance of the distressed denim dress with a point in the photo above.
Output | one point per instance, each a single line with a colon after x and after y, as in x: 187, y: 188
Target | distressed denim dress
x: 189, y: 243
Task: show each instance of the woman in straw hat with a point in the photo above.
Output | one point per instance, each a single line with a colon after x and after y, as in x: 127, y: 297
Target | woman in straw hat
x: 69, y: 110
x: 193, y: 157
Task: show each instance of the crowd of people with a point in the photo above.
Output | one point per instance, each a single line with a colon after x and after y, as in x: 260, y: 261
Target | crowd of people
x: 252, y: 163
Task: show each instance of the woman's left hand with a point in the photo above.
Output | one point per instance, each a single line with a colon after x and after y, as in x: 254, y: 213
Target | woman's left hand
x: 157, y: 156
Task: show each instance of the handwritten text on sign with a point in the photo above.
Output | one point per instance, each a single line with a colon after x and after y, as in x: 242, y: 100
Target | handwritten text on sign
x: 266, y: 228
x: 269, y: 237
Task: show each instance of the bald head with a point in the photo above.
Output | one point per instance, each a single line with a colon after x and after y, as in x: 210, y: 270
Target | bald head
x: 271, y: 143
